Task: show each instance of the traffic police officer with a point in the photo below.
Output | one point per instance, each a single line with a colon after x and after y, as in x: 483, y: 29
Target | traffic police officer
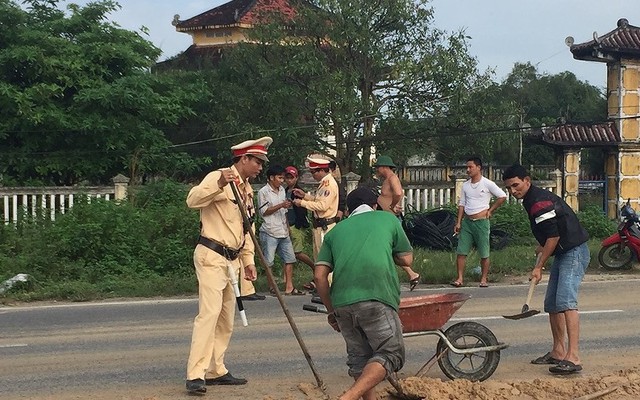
x: 324, y: 204
x: 224, y: 246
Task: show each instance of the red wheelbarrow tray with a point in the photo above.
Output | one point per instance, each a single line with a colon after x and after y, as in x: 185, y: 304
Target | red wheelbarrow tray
x: 429, y: 312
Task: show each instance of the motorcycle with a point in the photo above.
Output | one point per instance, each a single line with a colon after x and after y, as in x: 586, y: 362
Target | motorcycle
x: 619, y: 249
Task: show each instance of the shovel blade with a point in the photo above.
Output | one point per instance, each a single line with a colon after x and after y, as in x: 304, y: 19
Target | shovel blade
x: 400, y: 393
x: 526, y: 314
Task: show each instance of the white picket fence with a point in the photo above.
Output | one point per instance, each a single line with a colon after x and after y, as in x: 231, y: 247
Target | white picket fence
x: 425, y: 198
x: 47, y: 202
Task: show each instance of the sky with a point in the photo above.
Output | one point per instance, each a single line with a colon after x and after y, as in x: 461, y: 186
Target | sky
x: 503, y: 32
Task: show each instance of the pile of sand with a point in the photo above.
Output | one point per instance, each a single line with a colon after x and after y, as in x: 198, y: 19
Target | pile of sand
x: 622, y: 385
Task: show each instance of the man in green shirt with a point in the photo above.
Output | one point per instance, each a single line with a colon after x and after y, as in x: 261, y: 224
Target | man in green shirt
x: 364, y: 297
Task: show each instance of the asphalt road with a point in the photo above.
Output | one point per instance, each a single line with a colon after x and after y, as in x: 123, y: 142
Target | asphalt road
x: 138, y: 349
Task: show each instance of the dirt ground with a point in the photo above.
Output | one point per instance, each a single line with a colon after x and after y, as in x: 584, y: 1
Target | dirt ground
x: 622, y: 385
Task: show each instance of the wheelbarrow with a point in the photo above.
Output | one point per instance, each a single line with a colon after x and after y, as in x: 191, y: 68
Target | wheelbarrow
x: 466, y: 349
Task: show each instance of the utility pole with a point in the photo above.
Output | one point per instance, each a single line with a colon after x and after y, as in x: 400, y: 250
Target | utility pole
x: 524, y: 128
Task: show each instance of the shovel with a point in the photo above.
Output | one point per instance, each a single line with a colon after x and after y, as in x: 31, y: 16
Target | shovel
x: 400, y: 393
x: 526, y: 312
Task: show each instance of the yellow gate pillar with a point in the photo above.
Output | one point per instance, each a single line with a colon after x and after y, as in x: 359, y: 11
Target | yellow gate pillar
x: 623, y: 87
x: 571, y: 163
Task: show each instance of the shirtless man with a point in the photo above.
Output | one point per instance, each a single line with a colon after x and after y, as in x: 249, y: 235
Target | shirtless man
x: 390, y: 199
x: 391, y: 194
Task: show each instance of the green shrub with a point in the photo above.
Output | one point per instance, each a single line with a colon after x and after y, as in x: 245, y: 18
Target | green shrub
x: 99, y: 249
x: 596, y: 222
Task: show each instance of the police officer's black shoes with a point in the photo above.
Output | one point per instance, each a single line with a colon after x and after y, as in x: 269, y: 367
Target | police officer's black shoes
x: 226, y: 379
x: 196, y: 386
x: 253, y: 296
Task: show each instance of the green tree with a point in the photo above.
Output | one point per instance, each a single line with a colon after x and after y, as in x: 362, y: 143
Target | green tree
x: 543, y: 99
x: 77, y: 101
x: 343, y: 67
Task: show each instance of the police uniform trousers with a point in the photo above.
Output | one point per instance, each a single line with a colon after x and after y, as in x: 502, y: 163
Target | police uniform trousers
x: 318, y: 235
x: 213, y: 325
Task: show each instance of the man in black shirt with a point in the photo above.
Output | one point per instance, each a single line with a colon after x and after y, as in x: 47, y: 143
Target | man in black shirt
x: 298, y: 222
x: 559, y: 234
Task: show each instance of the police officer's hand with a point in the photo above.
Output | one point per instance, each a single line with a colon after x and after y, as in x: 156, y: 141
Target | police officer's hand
x: 331, y: 319
x: 250, y: 273
x: 299, y: 193
x: 456, y: 229
x: 297, y: 202
x: 226, y: 177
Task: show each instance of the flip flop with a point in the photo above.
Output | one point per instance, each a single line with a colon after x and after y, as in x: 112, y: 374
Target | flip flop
x: 309, y: 286
x: 546, y: 359
x: 483, y: 284
x: 456, y: 284
x: 565, y: 367
x: 414, y: 282
x: 294, y: 292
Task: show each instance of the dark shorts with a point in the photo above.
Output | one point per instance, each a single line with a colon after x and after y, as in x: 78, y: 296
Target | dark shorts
x: 373, y: 333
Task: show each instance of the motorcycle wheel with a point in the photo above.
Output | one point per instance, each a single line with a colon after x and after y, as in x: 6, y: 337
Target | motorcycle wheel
x: 616, y: 256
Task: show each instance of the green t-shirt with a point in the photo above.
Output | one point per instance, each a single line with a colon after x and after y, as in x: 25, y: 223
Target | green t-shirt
x: 360, y: 251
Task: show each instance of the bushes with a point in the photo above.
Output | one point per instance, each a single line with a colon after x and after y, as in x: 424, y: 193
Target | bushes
x: 98, y: 249
x: 144, y: 247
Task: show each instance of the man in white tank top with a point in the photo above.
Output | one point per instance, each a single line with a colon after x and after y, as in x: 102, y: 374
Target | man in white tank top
x: 472, y: 225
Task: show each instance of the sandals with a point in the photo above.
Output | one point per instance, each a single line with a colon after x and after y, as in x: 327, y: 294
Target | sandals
x: 414, y: 282
x: 565, y: 367
x: 483, y: 284
x: 309, y: 286
x: 546, y: 359
x: 294, y: 292
x: 456, y: 284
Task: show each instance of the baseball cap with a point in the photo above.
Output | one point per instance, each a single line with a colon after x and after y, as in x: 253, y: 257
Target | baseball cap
x: 291, y: 170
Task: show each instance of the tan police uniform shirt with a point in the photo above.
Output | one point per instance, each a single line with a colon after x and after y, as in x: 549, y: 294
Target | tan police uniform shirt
x: 325, y: 202
x: 220, y: 215
x: 323, y: 205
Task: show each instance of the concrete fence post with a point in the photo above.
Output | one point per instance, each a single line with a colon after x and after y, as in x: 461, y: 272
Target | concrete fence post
x: 352, y: 180
x: 556, y: 176
x: 121, y: 184
x: 459, y: 180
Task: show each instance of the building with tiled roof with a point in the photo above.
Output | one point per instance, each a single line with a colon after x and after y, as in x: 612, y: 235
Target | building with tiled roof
x: 620, y: 135
x: 217, y: 29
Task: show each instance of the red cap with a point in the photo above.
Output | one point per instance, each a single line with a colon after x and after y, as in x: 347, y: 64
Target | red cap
x: 291, y: 170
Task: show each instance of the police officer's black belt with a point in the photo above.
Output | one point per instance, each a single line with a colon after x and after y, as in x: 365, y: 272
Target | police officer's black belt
x: 226, y: 252
x: 323, y: 222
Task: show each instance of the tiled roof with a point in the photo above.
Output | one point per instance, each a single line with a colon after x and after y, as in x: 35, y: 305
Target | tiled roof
x: 234, y: 12
x: 604, y: 134
x: 194, y: 58
x: 624, y: 40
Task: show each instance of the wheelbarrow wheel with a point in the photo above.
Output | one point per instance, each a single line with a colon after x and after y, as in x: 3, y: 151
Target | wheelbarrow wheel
x: 473, y: 366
